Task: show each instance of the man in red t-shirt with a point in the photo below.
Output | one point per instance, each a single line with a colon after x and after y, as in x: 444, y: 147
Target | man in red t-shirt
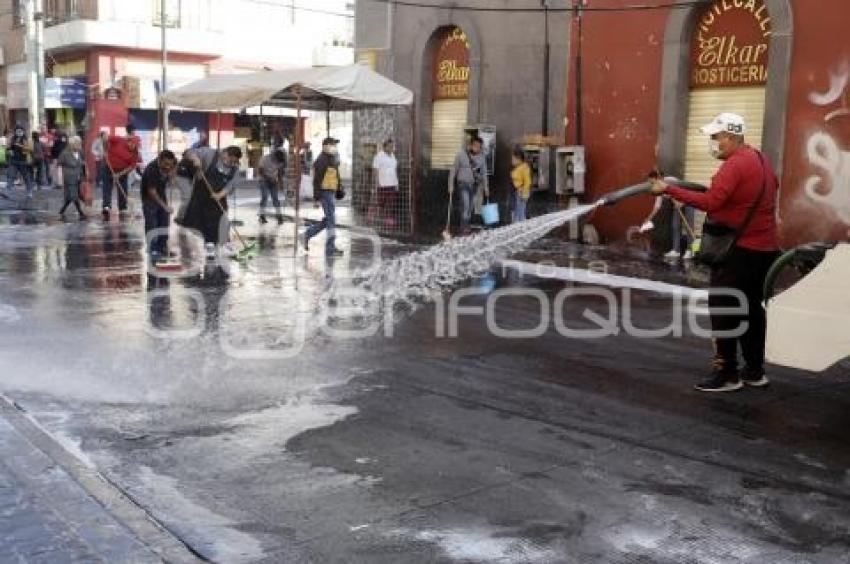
x: 122, y: 157
x: 745, y: 181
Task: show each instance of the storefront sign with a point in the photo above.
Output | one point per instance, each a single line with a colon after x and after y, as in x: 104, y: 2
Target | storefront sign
x: 67, y: 92
x: 730, y: 45
x: 451, y: 67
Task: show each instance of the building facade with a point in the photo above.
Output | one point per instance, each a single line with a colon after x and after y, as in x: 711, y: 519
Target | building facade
x: 103, y: 61
x: 631, y: 86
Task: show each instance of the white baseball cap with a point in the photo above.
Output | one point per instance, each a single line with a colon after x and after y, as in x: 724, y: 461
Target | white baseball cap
x: 725, y: 122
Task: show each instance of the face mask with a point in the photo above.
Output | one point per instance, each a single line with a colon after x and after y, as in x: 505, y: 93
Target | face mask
x: 332, y: 150
x: 19, y: 132
x: 714, y: 148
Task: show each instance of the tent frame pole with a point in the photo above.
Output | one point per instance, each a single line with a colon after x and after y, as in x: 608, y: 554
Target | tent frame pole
x: 297, y: 156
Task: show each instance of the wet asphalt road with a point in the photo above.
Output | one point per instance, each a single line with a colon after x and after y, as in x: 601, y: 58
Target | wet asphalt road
x: 410, y: 448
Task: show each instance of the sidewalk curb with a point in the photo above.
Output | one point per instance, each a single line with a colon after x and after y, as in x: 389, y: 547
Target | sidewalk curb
x: 152, y: 534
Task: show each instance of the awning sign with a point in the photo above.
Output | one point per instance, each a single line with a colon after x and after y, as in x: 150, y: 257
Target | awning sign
x: 69, y: 92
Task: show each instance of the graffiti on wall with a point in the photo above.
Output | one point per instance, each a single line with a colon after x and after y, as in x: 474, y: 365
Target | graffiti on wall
x: 830, y: 185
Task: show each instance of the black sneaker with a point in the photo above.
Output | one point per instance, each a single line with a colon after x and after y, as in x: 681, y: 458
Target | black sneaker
x: 263, y: 219
x: 720, y: 381
x: 279, y: 219
x: 754, y: 378
x: 105, y: 214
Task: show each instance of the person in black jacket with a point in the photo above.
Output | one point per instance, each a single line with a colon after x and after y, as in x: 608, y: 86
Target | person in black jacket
x: 327, y: 187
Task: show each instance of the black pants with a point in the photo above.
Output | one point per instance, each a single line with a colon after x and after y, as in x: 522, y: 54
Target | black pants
x: 744, y: 270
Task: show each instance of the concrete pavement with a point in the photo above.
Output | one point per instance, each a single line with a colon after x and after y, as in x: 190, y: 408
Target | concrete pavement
x: 412, y: 447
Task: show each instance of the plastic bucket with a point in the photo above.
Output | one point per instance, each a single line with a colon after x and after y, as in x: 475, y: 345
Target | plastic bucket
x: 490, y: 213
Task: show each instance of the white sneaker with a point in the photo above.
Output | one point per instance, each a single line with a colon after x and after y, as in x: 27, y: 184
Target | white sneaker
x: 229, y: 250
x: 689, y: 254
x: 671, y: 255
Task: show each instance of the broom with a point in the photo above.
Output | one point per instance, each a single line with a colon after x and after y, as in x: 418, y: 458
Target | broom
x: 447, y: 236
x: 248, y: 250
x: 115, y: 184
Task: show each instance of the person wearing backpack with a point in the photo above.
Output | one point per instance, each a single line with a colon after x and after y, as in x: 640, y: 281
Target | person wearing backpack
x: 19, y: 161
x: 740, y: 243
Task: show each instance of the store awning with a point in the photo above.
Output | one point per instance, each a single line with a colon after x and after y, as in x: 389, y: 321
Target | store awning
x: 321, y: 88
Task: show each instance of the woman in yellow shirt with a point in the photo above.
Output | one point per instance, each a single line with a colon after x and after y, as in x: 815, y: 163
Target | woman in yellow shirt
x: 521, y: 181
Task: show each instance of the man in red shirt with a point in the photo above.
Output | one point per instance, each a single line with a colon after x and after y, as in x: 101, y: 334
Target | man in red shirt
x: 745, y: 181
x: 122, y: 157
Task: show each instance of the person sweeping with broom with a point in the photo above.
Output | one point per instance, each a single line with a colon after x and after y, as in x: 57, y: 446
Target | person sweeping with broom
x: 122, y: 157
x: 213, y: 175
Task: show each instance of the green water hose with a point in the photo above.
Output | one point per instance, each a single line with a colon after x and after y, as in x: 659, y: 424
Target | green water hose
x: 644, y: 188
x: 803, y: 259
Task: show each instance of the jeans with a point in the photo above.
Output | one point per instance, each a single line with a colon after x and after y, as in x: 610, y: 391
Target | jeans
x: 16, y: 168
x: 328, y: 201
x: 42, y: 174
x: 519, y: 207
x: 465, y: 191
x: 267, y: 189
x: 101, y: 173
x: 743, y: 270
x: 679, y: 231
x: 107, y: 190
x: 156, y: 218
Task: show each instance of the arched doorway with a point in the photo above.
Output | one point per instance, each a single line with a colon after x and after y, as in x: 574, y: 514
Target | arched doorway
x: 450, y: 74
x: 676, y: 118
x: 729, y: 54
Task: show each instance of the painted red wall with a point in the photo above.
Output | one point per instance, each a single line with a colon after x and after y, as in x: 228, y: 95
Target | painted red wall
x: 821, y: 51
x: 621, y: 55
x: 622, y: 71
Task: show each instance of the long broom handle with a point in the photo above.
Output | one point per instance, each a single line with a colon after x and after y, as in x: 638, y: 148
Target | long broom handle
x: 449, y: 211
x: 115, y: 182
x: 685, y: 222
x: 221, y: 207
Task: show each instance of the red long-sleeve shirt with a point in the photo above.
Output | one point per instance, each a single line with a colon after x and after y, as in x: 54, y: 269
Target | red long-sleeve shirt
x: 119, y: 154
x: 734, y: 189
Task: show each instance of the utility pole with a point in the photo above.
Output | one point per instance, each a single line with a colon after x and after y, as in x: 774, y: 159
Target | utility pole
x: 163, y: 125
x: 35, y: 60
x: 578, y: 12
x: 544, y: 126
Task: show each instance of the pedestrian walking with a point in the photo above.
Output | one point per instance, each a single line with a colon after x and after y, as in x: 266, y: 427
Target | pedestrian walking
x: 272, y: 175
x: 386, y: 173
x: 47, y: 138
x: 741, y: 206
x: 19, y: 161
x: 60, y: 142
x: 327, y: 188
x: 213, y: 175
x: 469, y: 175
x: 521, y: 182
x: 73, y: 164
x: 39, y: 161
x: 155, y: 205
x: 122, y: 157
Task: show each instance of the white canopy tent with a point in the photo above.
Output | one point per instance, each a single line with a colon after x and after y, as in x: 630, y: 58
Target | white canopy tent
x: 327, y: 89
x: 317, y: 88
